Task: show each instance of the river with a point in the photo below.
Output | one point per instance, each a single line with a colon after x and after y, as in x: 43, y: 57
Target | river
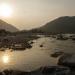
x: 31, y: 59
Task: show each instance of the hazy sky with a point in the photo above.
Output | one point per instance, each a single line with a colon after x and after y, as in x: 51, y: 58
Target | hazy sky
x: 34, y: 13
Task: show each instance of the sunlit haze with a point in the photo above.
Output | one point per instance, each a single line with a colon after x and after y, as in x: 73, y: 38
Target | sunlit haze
x: 26, y: 14
x: 6, y: 10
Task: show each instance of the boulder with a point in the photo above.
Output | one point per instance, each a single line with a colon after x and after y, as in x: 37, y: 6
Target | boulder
x: 67, y: 60
x: 57, y: 54
x: 55, y: 70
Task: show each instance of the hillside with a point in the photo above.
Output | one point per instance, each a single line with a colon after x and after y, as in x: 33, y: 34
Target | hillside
x: 7, y: 27
x: 64, y: 24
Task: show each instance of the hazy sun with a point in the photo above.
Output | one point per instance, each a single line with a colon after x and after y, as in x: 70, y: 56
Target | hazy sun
x: 5, y: 10
x: 5, y: 59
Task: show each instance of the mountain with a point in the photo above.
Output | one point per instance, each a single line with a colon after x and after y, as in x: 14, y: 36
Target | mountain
x: 65, y: 24
x: 7, y: 27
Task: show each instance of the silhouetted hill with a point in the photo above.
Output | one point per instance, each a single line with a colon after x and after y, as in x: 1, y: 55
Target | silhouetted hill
x: 7, y: 27
x: 64, y: 24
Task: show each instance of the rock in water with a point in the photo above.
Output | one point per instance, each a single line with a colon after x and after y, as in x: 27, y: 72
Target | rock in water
x: 51, y: 70
x: 67, y: 60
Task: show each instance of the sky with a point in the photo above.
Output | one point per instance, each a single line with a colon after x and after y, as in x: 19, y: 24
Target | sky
x: 27, y: 14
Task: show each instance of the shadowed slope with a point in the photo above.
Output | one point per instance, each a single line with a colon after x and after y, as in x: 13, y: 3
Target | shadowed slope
x: 7, y: 27
x: 64, y: 24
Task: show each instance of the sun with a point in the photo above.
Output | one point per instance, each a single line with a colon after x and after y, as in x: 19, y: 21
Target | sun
x: 5, y: 59
x: 5, y: 10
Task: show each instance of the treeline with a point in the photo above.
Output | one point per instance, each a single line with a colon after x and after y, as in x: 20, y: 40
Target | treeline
x: 4, y: 32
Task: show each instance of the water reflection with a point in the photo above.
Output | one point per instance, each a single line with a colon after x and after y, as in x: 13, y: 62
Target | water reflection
x: 35, y: 57
x: 6, y: 56
x: 29, y: 59
x: 5, y: 59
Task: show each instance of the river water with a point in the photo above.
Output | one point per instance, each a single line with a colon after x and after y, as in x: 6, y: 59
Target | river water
x: 31, y: 59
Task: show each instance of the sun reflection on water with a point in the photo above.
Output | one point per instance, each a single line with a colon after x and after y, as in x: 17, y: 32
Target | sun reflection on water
x: 5, y: 59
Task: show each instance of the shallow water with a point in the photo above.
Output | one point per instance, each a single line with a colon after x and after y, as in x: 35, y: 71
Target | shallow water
x: 37, y: 56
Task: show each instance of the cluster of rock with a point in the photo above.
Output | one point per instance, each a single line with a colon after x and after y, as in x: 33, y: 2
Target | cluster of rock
x: 16, y: 42
x: 50, y: 70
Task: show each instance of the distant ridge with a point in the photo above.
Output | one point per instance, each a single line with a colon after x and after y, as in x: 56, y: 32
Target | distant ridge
x: 7, y: 27
x: 65, y: 24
